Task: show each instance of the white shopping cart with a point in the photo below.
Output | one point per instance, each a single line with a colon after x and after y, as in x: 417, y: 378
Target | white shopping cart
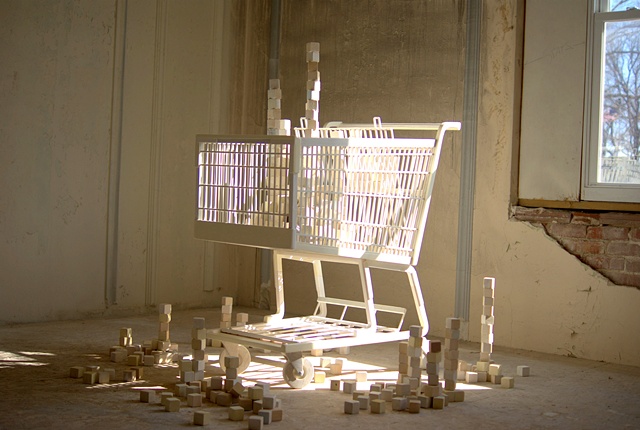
x: 355, y: 195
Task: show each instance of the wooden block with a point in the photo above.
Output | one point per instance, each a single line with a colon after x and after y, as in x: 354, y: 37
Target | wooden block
x: 399, y: 403
x: 364, y: 402
x: 387, y: 394
x: 375, y: 388
x: 148, y: 360
x: 231, y: 361
x: 425, y: 401
x: 255, y: 392
x: 449, y: 384
x: 139, y: 372
x: 313, y: 85
x: 433, y: 357
x: 451, y: 344
x: 201, y: 418
x: 274, y: 114
x: 375, y: 395
x: 256, y: 422
x: 471, y: 377
x: 335, y: 368
x: 245, y: 403
x: 313, y: 57
x: 335, y: 385
x: 313, y: 75
x: 236, y: 413
x: 90, y: 377
x: 172, y: 404
x: 451, y: 333
x: 495, y: 379
x: 193, y: 388
x: 438, y: 402
x: 523, y: 371
x: 273, y: 85
x: 275, y: 93
x: 227, y: 301
x: 361, y: 376
x: 312, y: 46
x: 257, y: 406
x: 200, y: 355
x: 451, y: 354
x: 198, y: 366
x: 495, y: 369
x: 237, y: 390
x: 128, y: 375
x: 432, y: 379
x: 147, y: 396
x: 414, y: 406
x: 432, y: 390
x: 194, y: 400
x: 319, y: 377
x: 436, y: 346
x: 76, y: 372
x: 378, y: 406
x: 224, y: 399
x: 351, y: 407
x: 311, y: 95
x: 164, y: 396
x: 231, y: 373
x: 268, y: 401
x: 276, y: 414
x: 507, y: 382
x: 266, y: 414
x: 164, y: 318
x: 180, y: 390
x: 415, y: 342
x: 164, y: 308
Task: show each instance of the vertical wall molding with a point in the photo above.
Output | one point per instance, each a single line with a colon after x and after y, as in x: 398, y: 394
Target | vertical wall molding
x: 157, y: 140
x: 115, y: 146
x: 468, y: 161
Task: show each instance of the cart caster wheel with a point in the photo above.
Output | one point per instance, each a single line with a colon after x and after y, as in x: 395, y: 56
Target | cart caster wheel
x: 296, y: 380
x: 243, y: 354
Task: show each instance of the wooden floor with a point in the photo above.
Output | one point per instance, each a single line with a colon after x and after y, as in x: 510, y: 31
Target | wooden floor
x: 36, y: 390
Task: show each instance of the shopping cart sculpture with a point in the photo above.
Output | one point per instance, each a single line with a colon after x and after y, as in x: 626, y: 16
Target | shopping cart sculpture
x: 355, y: 195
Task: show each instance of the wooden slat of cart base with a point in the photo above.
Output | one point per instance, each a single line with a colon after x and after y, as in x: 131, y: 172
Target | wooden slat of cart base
x: 273, y: 337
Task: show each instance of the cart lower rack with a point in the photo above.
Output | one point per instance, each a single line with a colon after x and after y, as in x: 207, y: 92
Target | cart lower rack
x: 357, y: 195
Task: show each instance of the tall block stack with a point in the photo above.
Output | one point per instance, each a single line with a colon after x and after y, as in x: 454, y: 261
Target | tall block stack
x: 452, y: 336
x: 276, y: 126
x: 487, y: 320
x: 414, y: 351
x: 198, y: 345
x: 312, y: 107
x: 164, y: 318
x: 403, y: 361
x: 226, y: 312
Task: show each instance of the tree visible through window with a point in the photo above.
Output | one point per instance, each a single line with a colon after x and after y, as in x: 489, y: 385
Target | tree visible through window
x: 612, y: 115
x: 620, y: 150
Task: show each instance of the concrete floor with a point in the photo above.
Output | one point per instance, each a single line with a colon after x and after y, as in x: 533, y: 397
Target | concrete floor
x: 37, y: 392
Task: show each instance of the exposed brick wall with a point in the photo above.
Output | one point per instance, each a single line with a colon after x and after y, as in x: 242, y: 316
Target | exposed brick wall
x: 608, y: 242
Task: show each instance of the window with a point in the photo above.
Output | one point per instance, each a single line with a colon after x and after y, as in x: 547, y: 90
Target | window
x: 611, y: 165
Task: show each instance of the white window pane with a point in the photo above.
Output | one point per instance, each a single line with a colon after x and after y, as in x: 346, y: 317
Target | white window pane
x: 619, y: 155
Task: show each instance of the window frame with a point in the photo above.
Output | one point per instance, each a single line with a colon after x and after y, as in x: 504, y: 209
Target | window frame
x: 591, y: 189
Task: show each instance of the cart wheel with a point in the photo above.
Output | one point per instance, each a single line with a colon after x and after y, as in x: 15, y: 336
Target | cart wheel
x: 296, y: 380
x: 243, y: 354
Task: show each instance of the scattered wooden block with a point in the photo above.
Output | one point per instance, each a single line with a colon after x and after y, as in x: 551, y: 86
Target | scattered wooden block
x: 276, y: 414
x: 425, y: 401
x: 164, y: 396
x: 201, y: 418
x: 361, y: 376
x: 351, y: 407
x: 129, y: 375
x: 348, y: 387
x: 523, y: 371
x: 438, y: 402
x: 172, y: 404
x: 387, y: 394
x: 495, y: 369
x: 147, y: 396
x: 256, y: 422
x: 266, y: 414
x: 255, y: 393
x: 90, y: 377
x: 378, y: 406
x: 194, y: 400
x: 268, y: 401
x: 495, y: 379
x: 364, y: 402
x: 414, y: 406
x: 319, y: 377
x: 335, y: 384
x: 471, y: 377
x: 224, y: 399
x: 245, y: 403
x: 399, y: 403
x: 76, y: 372
x: 236, y: 413
x: 507, y: 382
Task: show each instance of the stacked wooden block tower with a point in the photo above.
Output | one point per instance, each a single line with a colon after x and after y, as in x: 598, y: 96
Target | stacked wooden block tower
x: 276, y: 126
x: 226, y: 312
x: 312, y: 107
x: 198, y: 345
